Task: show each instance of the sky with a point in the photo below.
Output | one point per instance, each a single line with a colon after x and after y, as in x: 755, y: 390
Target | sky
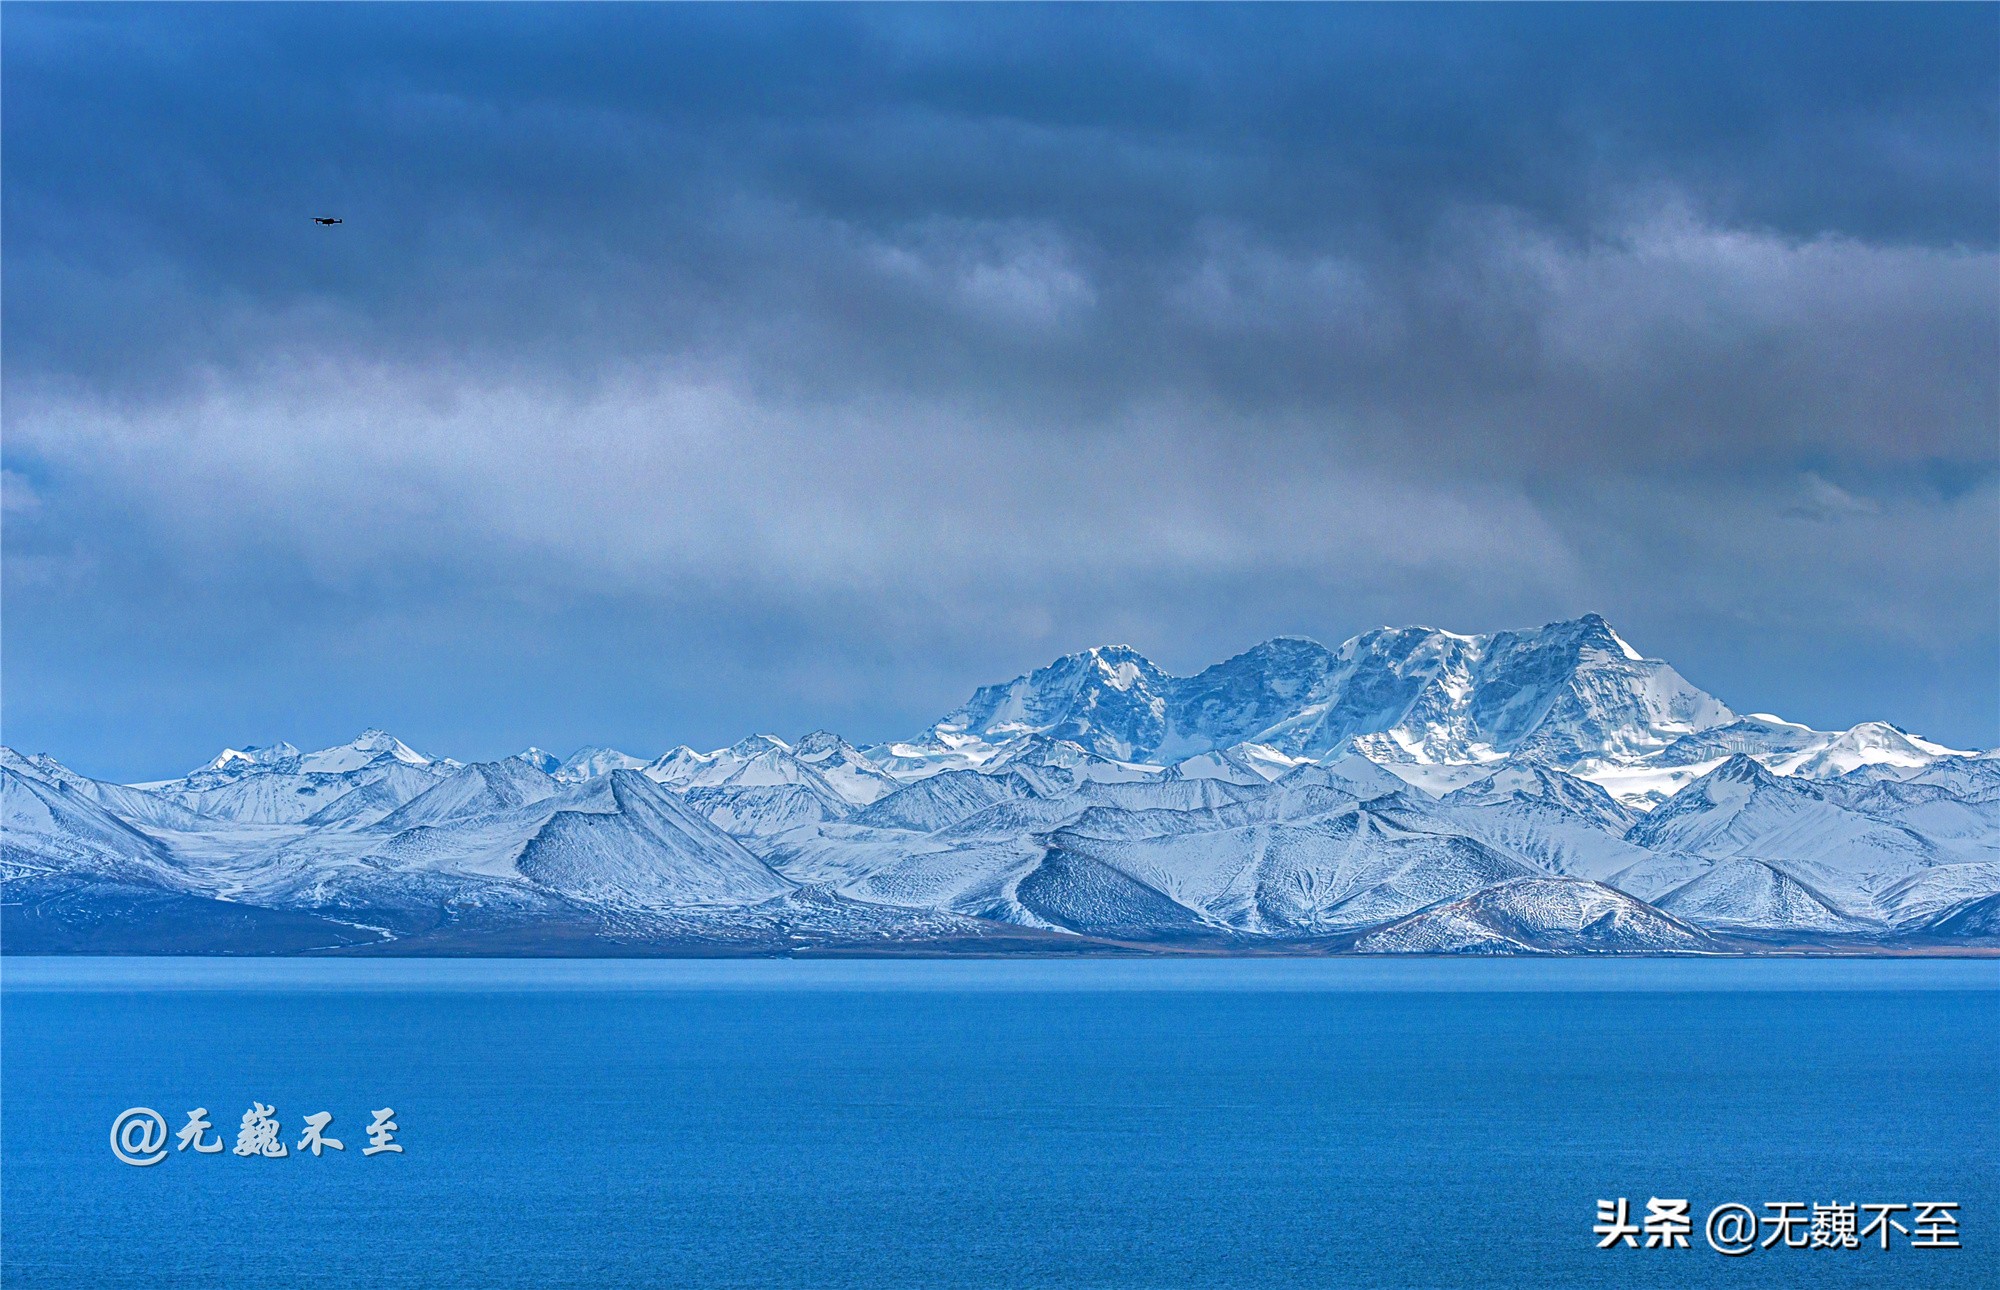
x: 684, y: 372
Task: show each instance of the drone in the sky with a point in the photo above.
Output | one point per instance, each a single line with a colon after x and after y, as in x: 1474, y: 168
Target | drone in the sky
x: 325, y: 219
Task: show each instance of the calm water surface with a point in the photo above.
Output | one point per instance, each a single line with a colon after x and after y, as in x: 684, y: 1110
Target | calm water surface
x: 989, y: 1124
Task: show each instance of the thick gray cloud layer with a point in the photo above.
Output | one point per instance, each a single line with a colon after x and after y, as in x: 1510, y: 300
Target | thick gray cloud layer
x: 679, y: 372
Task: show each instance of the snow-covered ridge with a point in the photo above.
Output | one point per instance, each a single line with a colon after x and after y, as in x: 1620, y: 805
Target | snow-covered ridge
x: 1439, y: 707
x: 1547, y: 791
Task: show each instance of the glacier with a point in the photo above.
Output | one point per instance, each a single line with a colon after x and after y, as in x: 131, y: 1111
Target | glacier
x: 1547, y: 791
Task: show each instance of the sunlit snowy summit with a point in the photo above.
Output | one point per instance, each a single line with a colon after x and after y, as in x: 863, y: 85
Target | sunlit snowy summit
x: 1408, y: 791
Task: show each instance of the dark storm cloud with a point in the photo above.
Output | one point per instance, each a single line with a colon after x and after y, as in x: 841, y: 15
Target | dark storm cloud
x: 929, y: 341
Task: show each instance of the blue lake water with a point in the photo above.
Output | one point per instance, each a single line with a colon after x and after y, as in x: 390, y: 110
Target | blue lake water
x: 990, y: 1124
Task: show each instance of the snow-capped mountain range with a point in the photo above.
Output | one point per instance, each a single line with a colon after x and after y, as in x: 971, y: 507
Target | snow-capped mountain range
x: 1412, y: 790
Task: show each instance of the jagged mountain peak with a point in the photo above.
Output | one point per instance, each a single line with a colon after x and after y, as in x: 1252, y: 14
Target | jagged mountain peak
x: 1565, y: 691
x: 820, y: 744
x: 1107, y: 699
x: 1728, y: 786
x: 1740, y: 768
x: 250, y: 757
x: 370, y: 745
x: 1113, y: 658
x: 376, y: 739
x: 371, y: 753
x: 1592, y: 629
x: 477, y: 788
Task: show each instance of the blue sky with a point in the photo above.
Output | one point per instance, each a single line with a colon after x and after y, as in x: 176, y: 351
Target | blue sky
x: 683, y: 372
